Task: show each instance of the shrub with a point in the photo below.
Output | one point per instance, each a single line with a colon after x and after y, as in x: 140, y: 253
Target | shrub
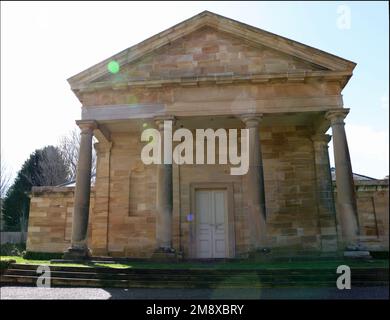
x: 32, y: 255
x: 380, y: 254
x: 4, y: 264
x: 13, y: 249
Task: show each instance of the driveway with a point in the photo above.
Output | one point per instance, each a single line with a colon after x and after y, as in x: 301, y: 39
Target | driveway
x: 267, y: 293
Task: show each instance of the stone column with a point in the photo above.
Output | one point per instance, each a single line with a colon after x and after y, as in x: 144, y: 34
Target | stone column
x: 164, y: 190
x: 324, y: 190
x: 79, y: 248
x: 254, y: 183
x: 346, y: 198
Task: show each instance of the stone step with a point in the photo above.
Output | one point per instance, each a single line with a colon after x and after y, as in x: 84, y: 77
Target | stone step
x: 64, y: 277
x: 202, y: 271
x: 184, y: 277
x: 276, y: 257
x: 191, y: 278
x: 80, y: 282
x: 255, y: 276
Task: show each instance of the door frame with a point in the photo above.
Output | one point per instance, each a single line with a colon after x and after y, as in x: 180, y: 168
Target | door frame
x: 229, y: 216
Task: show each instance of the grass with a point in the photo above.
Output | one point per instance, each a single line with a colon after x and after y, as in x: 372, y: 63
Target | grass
x: 39, y: 262
x: 247, y: 265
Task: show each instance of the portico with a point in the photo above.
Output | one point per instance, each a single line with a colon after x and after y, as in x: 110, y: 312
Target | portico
x: 172, y: 193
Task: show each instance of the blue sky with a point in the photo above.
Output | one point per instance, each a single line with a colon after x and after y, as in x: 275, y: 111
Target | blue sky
x: 43, y: 44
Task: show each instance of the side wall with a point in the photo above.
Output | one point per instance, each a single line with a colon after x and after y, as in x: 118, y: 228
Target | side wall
x: 50, y: 220
x: 373, y: 210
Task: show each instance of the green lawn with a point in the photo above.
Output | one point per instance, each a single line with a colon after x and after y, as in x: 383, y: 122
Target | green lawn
x: 40, y: 262
x: 248, y: 265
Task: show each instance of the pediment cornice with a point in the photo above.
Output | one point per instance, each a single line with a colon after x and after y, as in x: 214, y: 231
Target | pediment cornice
x: 341, y: 76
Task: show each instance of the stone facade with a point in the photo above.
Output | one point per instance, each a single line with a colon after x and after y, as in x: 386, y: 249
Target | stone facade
x: 208, y: 72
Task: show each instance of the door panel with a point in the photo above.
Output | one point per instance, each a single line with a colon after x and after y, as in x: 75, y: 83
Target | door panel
x: 211, y: 223
x: 204, y: 224
x: 219, y: 249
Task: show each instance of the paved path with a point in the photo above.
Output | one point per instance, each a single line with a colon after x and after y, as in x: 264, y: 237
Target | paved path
x: 274, y: 293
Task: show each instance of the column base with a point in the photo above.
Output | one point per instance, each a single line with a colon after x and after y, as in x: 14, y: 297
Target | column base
x: 77, y: 254
x: 357, y: 250
x: 357, y: 254
x: 165, y: 254
x: 355, y: 246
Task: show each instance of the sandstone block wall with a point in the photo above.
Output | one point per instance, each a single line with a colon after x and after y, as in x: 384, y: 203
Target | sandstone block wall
x: 132, y: 218
x: 208, y: 52
x: 50, y: 219
x: 373, y: 210
x: 289, y: 173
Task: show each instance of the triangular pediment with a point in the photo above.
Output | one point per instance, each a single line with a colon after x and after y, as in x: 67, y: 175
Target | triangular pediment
x: 211, y: 45
x: 209, y: 52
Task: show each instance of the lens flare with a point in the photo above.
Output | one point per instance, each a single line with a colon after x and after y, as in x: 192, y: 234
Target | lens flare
x: 113, y: 66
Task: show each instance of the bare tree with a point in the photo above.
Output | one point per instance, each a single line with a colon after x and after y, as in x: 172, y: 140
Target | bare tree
x: 52, y: 167
x: 5, y: 180
x: 70, y: 146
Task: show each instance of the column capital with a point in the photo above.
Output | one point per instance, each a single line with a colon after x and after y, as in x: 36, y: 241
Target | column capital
x: 159, y: 120
x: 251, y: 119
x: 336, y: 115
x: 321, y: 138
x: 87, y: 126
x: 101, y: 147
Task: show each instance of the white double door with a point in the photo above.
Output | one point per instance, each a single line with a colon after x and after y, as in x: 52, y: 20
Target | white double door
x: 211, y: 218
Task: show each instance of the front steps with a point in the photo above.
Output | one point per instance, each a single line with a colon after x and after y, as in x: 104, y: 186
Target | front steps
x: 24, y: 274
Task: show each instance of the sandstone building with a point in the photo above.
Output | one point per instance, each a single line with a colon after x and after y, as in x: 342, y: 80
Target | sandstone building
x: 207, y: 72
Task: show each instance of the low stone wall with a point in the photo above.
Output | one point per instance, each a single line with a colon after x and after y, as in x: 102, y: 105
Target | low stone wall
x: 13, y: 237
x: 373, y: 210
x: 50, y: 219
